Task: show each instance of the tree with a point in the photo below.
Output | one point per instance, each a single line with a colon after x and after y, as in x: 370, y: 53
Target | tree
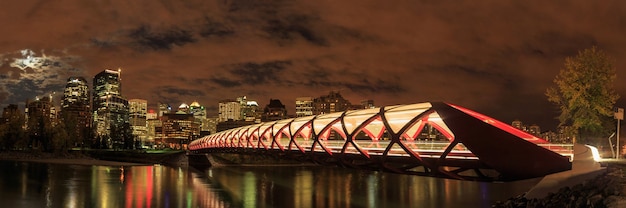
x: 13, y: 134
x: 60, y: 139
x: 584, y: 93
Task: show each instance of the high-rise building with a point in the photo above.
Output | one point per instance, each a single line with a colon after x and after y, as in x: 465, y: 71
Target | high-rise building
x: 76, y: 109
x: 199, y: 112
x: 177, y: 130
x: 333, y: 102
x: 153, y: 140
x: 250, y: 111
x: 229, y: 110
x: 211, y: 125
x: 76, y: 93
x: 138, y: 110
x: 152, y: 121
x: 304, y: 106
x: 110, y: 110
x: 273, y: 111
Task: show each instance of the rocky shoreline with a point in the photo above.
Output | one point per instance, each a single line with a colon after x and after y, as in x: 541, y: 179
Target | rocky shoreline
x: 605, y: 190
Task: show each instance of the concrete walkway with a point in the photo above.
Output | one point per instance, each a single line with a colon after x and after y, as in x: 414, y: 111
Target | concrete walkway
x: 584, y: 167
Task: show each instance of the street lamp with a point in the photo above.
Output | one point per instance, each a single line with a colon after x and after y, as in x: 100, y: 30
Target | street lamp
x: 619, y: 115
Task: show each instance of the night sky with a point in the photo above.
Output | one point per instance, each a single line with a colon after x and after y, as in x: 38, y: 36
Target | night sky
x: 495, y: 57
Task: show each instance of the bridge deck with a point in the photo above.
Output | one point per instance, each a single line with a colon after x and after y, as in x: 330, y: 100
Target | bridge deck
x: 422, y: 148
x: 422, y: 132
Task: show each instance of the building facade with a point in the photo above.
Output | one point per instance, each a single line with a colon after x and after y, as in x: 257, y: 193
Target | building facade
x: 304, y: 106
x: 199, y: 113
x: 229, y: 110
x: 333, y: 102
x: 110, y: 111
x: 138, y: 112
x: 177, y: 130
x: 163, y: 109
x: 9, y: 113
x: 274, y: 110
x: 38, y: 119
x: 76, y: 109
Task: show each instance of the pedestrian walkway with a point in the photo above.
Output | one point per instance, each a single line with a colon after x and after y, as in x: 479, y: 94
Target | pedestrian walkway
x: 584, y: 167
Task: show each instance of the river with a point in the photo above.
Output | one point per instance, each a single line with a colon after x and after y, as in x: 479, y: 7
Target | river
x: 28, y: 184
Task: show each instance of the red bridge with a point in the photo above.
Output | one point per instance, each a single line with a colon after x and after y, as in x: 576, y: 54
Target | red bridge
x: 432, y: 139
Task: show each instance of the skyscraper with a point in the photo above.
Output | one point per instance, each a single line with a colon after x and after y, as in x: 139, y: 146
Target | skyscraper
x: 199, y: 112
x: 110, y: 110
x: 75, y: 108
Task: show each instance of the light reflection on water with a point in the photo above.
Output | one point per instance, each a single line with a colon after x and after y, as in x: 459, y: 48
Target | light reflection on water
x: 53, y: 185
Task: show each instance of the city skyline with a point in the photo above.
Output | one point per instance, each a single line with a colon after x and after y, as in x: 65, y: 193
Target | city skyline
x: 493, y: 57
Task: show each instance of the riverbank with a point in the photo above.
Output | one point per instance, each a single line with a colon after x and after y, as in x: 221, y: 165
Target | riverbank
x: 74, y: 158
x: 606, y: 190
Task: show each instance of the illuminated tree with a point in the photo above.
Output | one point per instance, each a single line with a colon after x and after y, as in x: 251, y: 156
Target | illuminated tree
x: 584, y: 93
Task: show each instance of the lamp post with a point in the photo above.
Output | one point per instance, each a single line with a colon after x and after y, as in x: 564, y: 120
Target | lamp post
x: 619, y: 115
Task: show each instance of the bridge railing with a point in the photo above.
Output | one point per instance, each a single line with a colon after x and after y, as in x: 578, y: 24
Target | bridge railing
x: 562, y: 149
x: 423, y: 149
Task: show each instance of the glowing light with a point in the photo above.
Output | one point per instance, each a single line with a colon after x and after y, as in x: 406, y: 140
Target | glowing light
x: 595, y: 153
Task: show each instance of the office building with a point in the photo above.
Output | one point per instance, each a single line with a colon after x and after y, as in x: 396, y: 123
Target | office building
x: 110, y: 111
x: 138, y: 115
x: 333, y: 102
x: 229, y: 110
x: 76, y: 110
x: 304, y: 106
x: 177, y: 130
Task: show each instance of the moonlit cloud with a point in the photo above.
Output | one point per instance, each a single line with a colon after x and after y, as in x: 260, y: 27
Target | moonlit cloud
x: 496, y: 57
x: 28, y: 74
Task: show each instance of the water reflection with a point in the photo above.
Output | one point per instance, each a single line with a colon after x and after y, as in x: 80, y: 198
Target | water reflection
x: 336, y: 187
x: 50, y: 185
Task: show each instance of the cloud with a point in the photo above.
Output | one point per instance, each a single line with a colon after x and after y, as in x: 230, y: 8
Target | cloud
x: 294, y: 26
x: 27, y: 74
x: 172, y: 94
x: 260, y: 73
x: 493, y: 56
x: 161, y: 40
x: 211, y: 28
x: 225, y: 82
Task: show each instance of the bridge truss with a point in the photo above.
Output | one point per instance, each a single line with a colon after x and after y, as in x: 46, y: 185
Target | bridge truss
x: 434, y: 139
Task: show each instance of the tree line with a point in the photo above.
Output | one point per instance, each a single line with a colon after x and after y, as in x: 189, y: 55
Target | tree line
x: 42, y: 134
